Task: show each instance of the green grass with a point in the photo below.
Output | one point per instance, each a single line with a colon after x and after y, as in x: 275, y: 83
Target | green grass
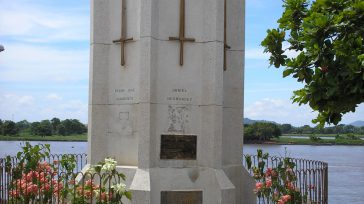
x: 299, y: 141
x: 82, y: 137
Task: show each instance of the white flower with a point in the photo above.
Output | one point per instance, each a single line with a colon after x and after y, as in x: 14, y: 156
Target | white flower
x: 119, y: 188
x: 110, y: 161
x: 110, y: 165
x: 97, y: 193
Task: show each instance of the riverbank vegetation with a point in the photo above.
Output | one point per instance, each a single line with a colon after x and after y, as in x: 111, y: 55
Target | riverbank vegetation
x: 342, y: 140
x: 80, y: 137
x: 265, y: 132
x: 45, y: 130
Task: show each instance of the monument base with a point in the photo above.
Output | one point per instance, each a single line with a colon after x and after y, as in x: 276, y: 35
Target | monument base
x: 195, y: 185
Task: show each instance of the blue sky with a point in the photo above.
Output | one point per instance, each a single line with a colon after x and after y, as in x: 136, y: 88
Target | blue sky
x: 44, y: 69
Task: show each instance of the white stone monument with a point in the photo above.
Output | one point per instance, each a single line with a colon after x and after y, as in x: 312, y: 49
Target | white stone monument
x: 166, y: 98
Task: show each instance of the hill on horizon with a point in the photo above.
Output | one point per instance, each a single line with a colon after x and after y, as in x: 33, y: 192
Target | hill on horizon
x: 358, y: 123
x: 250, y: 121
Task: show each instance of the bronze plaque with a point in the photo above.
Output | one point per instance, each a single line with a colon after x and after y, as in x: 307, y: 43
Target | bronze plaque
x: 181, y: 197
x: 183, y: 147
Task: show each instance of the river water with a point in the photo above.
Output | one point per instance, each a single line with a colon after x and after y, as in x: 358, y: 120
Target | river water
x: 346, y: 163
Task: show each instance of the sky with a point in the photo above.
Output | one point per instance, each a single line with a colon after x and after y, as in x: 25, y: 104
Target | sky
x: 44, y: 70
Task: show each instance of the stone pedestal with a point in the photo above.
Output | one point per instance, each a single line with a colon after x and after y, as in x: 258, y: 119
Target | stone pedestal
x: 175, y: 130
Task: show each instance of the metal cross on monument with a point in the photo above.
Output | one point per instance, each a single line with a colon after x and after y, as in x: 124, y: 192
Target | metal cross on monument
x: 123, y: 39
x: 226, y: 46
x: 181, y: 38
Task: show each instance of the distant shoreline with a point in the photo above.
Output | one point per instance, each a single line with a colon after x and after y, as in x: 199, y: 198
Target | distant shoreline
x: 312, y: 144
x: 53, y: 138
x: 275, y: 141
x: 304, y: 141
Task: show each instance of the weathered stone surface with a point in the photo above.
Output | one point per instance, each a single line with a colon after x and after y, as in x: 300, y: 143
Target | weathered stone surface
x: 171, y: 128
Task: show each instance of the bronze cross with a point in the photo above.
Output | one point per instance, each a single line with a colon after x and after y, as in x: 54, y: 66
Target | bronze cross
x: 123, y: 39
x: 226, y: 47
x: 181, y: 38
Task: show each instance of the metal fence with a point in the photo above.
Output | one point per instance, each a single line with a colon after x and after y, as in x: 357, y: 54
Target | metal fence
x: 311, y: 177
x: 51, y: 181
x: 59, y: 186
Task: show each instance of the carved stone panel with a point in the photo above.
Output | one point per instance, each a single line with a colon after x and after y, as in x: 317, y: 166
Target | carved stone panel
x: 181, y: 197
x: 178, y: 117
x: 182, y: 147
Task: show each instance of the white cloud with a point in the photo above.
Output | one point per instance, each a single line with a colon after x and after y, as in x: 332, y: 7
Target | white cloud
x: 30, y: 22
x: 358, y: 115
x: 289, y: 53
x: 15, y: 106
x: 256, y: 53
x: 19, y: 107
x: 53, y: 97
x: 74, y: 109
x: 281, y: 111
x: 41, y: 63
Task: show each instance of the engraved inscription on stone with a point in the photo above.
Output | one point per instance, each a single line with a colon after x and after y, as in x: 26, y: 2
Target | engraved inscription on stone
x: 179, y: 147
x: 124, y: 94
x: 181, y: 197
x: 178, y: 117
x: 179, y: 95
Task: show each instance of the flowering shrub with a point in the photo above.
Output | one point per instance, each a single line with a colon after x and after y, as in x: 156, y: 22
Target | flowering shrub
x: 37, y: 181
x: 276, y: 185
x: 111, y: 190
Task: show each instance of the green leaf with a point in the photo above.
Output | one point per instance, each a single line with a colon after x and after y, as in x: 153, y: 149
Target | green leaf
x: 287, y: 72
x: 328, y: 38
x: 128, y: 195
x: 248, y: 160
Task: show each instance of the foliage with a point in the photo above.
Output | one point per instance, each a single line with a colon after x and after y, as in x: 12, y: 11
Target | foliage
x: 71, y: 126
x: 117, y: 189
x: 43, y: 128
x: 327, y: 37
x: 338, y: 129
x: 261, y: 131
x: 28, y: 137
x: 34, y: 180
x: 9, y: 128
x: 276, y: 185
x: 55, y: 125
x: 23, y: 125
x: 32, y: 176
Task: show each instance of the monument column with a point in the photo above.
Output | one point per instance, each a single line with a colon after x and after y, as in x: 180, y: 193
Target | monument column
x: 168, y: 104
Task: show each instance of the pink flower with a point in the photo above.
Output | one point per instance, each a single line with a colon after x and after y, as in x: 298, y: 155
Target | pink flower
x: 103, y: 196
x: 258, y: 186
x: 268, y: 183
x: 286, y: 198
x: 290, y: 186
x: 268, y: 172
x: 281, y: 201
x: 88, y: 182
